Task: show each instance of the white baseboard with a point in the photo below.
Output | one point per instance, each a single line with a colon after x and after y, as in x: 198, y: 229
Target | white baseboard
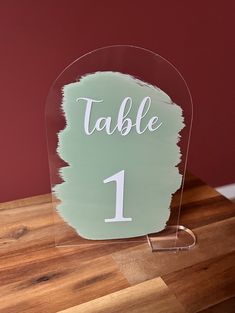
x: 228, y: 191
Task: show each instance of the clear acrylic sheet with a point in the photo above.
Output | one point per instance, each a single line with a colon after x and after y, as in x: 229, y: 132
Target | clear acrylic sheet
x: 149, y: 68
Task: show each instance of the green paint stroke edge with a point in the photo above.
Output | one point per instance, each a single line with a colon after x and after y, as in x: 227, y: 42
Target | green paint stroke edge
x: 150, y: 160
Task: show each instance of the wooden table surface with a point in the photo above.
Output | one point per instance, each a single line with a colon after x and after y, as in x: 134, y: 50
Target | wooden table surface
x: 37, y: 277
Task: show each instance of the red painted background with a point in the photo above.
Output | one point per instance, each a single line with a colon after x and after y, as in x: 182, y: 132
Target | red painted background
x: 39, y: 38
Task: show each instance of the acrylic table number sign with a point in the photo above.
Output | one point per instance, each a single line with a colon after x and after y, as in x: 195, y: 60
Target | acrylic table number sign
x: 116, y: 154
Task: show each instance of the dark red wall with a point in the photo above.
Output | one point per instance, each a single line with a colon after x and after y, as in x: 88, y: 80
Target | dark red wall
x: 39, y: 38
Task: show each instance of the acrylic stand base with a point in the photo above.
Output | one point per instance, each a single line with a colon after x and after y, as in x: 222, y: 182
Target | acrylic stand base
x: 172, y: 238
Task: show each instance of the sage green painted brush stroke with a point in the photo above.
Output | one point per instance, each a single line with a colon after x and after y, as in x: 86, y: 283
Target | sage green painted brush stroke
x: 150, y: 160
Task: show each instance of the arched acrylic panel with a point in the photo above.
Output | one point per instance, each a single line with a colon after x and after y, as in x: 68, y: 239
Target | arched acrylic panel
x: 118, y: 125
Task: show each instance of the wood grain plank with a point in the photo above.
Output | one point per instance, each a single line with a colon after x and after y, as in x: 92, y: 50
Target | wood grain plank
x: 199, y: 213
x: 148, y: 297
x: 25, y: 228
x: 27, y: 225
x: 194, y: 190
x: 204, y: 284
x: 37, y: 277
x: 227, y: 306
x: 139, y: 263
x: 34, y: 200
x: 54, y: 285
x: 31, y: 228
